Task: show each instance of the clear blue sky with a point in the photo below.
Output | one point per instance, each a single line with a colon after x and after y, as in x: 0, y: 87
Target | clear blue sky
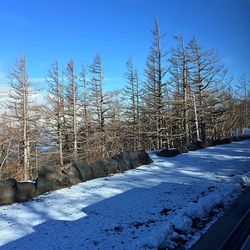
x: 60, y: 29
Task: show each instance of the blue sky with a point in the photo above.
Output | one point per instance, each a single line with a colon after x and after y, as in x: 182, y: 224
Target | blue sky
x: 50, y: 30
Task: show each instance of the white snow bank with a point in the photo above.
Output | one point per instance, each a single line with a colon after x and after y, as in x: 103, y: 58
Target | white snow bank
x: 246, y: 180
x: 243, y: 180
x: 183, y: 219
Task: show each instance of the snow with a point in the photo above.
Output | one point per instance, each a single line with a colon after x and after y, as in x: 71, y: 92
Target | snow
x: 245, y: 131
x: 243, y: 180
x: 152, y: 206
x: 182, y: 220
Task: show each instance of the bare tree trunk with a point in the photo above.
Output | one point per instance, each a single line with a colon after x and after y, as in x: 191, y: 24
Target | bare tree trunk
x: 159, y: 85
x: 59, y: 113
x: 196, y: 119
x: 185, y: 94
x: 99, y: 100
x: 25, y: 136
x: 26, y: 154
x: 72, y: 105
x: 74, y: 111
x: 56, y: 100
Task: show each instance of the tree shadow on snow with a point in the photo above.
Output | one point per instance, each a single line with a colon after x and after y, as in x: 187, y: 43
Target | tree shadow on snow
x: 110, y: 221
x: 97, y: 221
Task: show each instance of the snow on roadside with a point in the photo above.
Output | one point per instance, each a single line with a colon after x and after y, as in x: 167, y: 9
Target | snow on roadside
x: 182, y: 222
x: 169, y: 202
x: 243, y: 180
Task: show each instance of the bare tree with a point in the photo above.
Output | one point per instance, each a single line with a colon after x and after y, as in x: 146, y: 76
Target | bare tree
x: 72, y: 104
x: 206, y: 76
x: 97, y: 91
x: 132, y: 105
x: 180, y: 71
x: 99, y: 103
x: 56, y: 103
x: 155, y: 86
x: 85, y: 116
x: 19, y: 107
x: 243, y: 97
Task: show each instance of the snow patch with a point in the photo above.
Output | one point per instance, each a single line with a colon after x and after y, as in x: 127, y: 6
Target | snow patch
x: 243, y: 180
x: 183, y: 220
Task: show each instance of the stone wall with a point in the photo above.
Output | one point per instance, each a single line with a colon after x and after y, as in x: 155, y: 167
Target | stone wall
x: 51, y: 178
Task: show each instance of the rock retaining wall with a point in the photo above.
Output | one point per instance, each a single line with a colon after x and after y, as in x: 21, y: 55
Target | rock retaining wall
x: 51, y: 178
x: 197, y: 145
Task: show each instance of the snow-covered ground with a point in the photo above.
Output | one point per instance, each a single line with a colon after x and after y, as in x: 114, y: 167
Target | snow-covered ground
x: 169, y: 202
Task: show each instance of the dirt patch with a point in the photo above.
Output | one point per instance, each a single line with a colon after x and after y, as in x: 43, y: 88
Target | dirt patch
x: 165, y: 211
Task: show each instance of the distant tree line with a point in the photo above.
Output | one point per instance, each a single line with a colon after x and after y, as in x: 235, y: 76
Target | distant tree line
x: 184, y: 96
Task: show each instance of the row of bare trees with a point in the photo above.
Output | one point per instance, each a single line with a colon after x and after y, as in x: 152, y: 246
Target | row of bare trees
x: 184, y: 95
